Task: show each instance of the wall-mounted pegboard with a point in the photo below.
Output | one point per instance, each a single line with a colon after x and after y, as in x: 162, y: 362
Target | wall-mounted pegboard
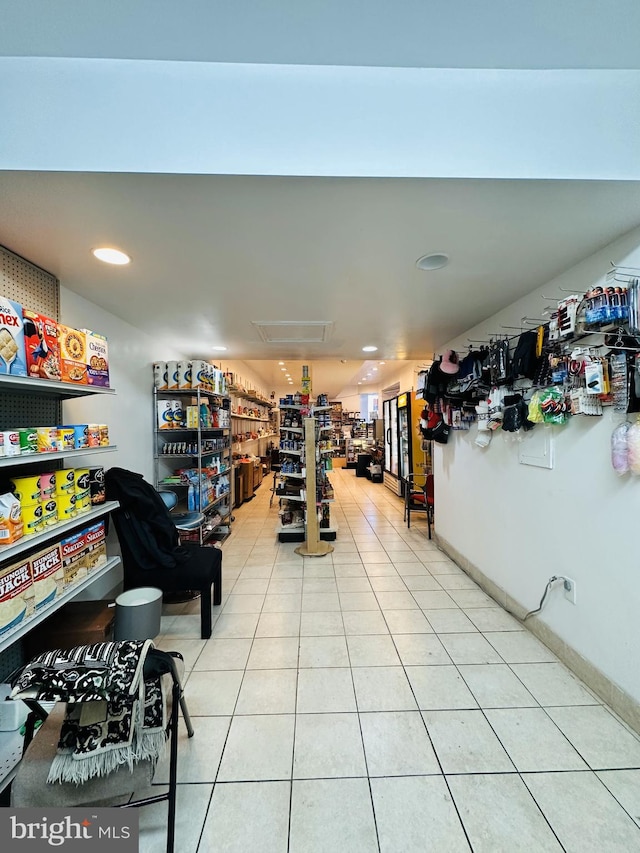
x: 29, y: 285
x: 38, y: 290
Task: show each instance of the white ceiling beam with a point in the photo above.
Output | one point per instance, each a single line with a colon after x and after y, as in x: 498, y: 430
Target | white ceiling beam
x: 190, y: 117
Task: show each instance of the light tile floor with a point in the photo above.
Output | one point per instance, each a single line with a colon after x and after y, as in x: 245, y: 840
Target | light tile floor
x: 376, y: 700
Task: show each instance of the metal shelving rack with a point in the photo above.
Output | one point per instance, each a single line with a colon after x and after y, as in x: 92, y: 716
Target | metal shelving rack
x: 218, y: 512
x: 24, y: 394
x: 308, y: 452
x: 253, y: 446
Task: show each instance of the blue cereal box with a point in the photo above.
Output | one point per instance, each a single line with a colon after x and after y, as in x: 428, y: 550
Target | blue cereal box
x: 13, y: 356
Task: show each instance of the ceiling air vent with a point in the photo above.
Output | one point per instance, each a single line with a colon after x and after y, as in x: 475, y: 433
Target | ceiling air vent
x: 294, y: 331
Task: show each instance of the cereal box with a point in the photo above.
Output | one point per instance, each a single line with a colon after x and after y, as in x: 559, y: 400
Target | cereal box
x: 48, y: 575
x: 97, y: 359
x: 41, y: 346
x: 73, y: 355
x: 16, y: 595
x: 13, y: 359
x: 73, y: 550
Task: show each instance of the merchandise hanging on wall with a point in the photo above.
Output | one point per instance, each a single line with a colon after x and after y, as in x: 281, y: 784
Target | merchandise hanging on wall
x: 584, y: 359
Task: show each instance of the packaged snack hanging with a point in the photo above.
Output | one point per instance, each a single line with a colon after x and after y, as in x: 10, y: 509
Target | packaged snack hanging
x: 553, y: 406
x: 620, y: 449
x: 535, y: 412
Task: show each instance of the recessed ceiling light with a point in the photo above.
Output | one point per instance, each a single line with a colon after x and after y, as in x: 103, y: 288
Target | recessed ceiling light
x: 369, y: 349
x: 219, y: 349
x: 111, y: 256
x: 281, y: 362
x: 283, y: 369
x: 381, y: 362
x: 432, y: 261
x: 359, y: 383
x: 374, y: 369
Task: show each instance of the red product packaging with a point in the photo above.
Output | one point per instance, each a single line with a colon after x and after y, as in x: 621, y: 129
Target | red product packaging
x: 41, y: 345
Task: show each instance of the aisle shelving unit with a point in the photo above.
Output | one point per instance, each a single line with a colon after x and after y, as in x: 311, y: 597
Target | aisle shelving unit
x: 199, y: 446
x: 304, y: 447
x: 22, y: 397
x: 251, y: 425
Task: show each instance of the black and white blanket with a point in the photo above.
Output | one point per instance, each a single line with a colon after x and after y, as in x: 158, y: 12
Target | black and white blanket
x: 113, y: 715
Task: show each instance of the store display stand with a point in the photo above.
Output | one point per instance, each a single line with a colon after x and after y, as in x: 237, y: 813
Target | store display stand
x: 313, y: 545
x: 218, y: 512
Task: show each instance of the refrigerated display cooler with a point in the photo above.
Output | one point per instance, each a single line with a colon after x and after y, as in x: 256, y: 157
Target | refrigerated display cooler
x: 398, y: 441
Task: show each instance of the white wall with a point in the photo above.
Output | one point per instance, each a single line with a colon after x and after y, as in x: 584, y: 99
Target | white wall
x: 249, y: 377
x: 405, y: 374
x: 129, y: 412
x: 520, y: 525
x: 128, y: 116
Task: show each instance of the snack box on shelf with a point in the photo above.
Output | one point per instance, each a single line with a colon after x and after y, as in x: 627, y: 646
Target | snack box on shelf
x: 83, y: 551
x: 73, y: 355
x: 13, y: 357
x: 97, y: 359
x: 16, y: 595
x: 48, y: 575
x: 11, y: 526
x: 41, y: 346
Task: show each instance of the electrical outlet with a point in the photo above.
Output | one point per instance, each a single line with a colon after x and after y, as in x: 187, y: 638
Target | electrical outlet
x: 570, y: 590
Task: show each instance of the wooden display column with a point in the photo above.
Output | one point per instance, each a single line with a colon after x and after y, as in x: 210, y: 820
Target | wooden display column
x: 313, y: 546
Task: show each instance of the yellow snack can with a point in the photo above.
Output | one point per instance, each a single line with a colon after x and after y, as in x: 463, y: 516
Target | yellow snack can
x: 27, y: 489
x: 31, y: 515
x: 65, y: 481
x: 66, y: 506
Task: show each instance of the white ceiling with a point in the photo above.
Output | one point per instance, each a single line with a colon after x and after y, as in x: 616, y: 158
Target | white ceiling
x: 213, y: 254
x: 402, y: 33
